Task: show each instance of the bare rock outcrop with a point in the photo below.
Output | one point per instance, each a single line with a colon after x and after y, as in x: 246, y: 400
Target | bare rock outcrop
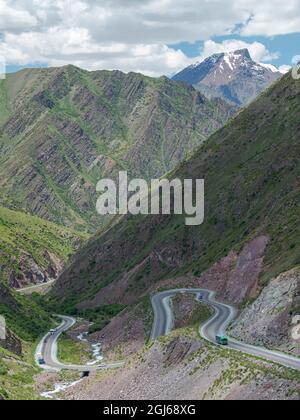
x: 235, y: 278
x: 9, y: 341
x: 182, y: 368
x: 272, y: 320
x: 29, y: 272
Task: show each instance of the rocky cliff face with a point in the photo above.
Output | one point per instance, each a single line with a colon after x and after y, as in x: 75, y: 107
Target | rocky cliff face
x: 8, y: 340
x: 30, y: 273
x: 11, y: 343
x: 65, y: 129
x: 234, y: 77
x: 273, y: 319
x: 33, y: 250
x: 236, y: 277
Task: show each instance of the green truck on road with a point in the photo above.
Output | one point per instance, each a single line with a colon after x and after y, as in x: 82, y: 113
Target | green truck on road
x: 222, y: 340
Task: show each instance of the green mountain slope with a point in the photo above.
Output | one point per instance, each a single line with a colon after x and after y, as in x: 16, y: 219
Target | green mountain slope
x: 62, y: 130
x: 17, y: 375
x: 252, y: 173
x: 24, y: 318
x: 33, y: 250
x: 26, y: 322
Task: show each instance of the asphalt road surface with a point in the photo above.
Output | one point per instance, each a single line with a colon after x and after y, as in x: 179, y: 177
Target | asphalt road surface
x: 47, y: 350
x: 36, y: 288
x: 217, y: 325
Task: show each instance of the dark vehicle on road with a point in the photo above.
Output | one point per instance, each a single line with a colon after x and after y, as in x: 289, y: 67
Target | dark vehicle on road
x: 222, y: 340
x: 41, y: 361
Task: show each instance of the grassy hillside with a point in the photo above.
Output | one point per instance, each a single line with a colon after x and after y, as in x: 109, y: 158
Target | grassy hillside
x: 31, y: 248
x: 62, y: 130
x: 252, y: 173
x: 26, y: 319
x: 26, y: 322
x: 17, y: 375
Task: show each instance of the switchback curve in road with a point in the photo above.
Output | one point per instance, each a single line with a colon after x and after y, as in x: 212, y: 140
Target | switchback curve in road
x: 47, y: 350
x: 217, y: 325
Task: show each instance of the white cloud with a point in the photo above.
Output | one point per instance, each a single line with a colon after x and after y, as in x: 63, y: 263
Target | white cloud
x: 132, y: 35
x: 270, y: 18
x: 296, y: 59
x: 59, y: 47
x: 15, y: 19
x: 284, y: 69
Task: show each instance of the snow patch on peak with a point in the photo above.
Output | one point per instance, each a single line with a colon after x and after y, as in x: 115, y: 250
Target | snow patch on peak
x: 228, y: 61
x: 213, y: 59
x: 269, y: 67
x: 239, y: 58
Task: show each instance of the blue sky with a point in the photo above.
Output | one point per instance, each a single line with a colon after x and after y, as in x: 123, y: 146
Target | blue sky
x: 154, y: 37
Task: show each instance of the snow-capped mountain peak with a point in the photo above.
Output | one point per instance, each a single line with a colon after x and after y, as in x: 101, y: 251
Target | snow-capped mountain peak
x: 234, y: 76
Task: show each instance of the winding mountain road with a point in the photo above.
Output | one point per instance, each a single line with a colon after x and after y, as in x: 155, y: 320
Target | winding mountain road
x: 163, y: 324
x: 39, y: 288
x: 217, y: 325
x: 47, y: 350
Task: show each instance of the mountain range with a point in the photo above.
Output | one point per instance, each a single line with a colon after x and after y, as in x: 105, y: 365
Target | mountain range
x: 234, y: 77
x: 251, y: 170
x: 64, y: 129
